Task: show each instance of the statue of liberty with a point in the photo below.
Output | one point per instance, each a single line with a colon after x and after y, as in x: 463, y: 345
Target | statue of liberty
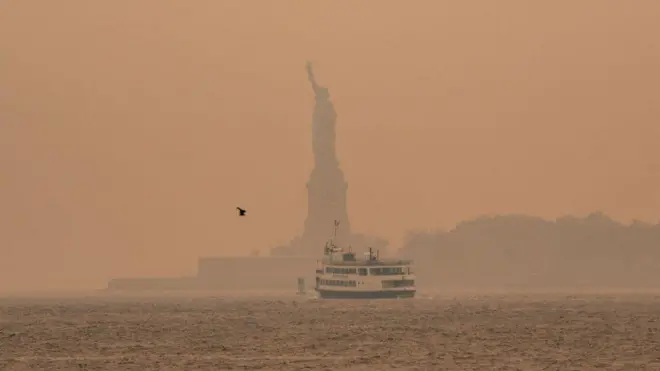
x: 326, y: 188
x: 323, y: 124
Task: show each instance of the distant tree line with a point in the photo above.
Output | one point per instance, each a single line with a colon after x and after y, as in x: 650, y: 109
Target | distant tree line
x: 522, y: 251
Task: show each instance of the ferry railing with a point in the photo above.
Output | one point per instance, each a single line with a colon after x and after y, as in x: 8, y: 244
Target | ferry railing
x: 372, y: 262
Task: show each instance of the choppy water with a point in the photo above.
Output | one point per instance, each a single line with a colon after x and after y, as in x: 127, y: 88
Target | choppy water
x: 529, y: 333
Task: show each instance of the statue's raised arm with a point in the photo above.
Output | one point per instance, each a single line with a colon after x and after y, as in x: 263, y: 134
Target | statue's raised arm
x: 321, y: 92
x: 310, y: 76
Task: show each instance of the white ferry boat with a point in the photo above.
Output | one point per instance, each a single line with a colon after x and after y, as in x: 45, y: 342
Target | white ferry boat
x: 341, y: 275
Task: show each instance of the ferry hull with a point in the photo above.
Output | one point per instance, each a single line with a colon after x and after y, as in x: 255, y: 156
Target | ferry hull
x: 332, y: 294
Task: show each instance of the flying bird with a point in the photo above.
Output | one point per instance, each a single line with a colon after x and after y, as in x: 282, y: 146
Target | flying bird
x: 241, y: 212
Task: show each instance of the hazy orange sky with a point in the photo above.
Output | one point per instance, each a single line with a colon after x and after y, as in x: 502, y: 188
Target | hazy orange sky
x: 130, y: 131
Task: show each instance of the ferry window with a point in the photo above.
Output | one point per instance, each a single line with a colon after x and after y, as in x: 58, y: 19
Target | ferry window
x: 398, y: 283
x: 349, y: 283
x: 362, y: 271
x: 389, y: 271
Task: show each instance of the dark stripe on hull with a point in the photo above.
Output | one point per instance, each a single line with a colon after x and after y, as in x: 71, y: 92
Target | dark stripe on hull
x: 330, y: 294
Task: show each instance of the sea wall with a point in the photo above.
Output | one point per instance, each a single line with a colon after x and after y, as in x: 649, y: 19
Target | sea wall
x: 254, y: 273
x: 153, y: 283
x: 230, y: 274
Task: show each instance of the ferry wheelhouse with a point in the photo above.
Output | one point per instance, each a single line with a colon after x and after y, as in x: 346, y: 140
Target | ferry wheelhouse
x: 341, y: 275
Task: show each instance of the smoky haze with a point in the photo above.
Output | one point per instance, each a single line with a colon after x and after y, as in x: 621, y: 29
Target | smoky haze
x: 130, y: 131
